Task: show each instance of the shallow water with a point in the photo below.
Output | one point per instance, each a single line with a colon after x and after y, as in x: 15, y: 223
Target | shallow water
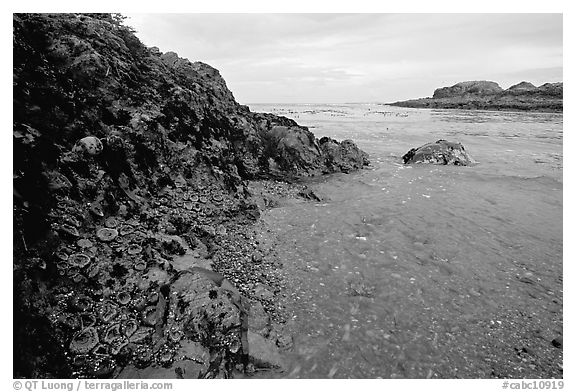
x: 427, y: 271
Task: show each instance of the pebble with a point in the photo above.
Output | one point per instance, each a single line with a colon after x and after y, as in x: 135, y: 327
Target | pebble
x: 474, y: 292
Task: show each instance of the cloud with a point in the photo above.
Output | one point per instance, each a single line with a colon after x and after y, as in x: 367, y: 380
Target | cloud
x: 356, y: 57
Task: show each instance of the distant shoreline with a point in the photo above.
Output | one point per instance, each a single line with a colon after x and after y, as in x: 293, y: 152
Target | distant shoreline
x: 405, y: 104
x: 487, y: 95
x: 480, y: 109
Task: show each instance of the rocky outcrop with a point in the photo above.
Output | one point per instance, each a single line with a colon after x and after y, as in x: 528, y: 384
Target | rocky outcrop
x: 468, y: 88
x: 131, y: 169
x: 485, y: 95
x: 342, y: 156
x: 442, y: 152
x: 521, y: 87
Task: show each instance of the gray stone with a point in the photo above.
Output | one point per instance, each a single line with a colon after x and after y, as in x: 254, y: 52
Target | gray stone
x: 209, y: 314
x: 258, y: 319
x: 263, y: 352
x: 441, y: 152
x: 263, y: 292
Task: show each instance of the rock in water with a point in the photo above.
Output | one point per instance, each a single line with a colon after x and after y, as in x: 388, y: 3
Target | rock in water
x: 441, y: 152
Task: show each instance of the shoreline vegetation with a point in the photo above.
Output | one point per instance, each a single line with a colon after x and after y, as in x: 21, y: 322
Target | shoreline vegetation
x: 138, y: 184
x: 487, y: 95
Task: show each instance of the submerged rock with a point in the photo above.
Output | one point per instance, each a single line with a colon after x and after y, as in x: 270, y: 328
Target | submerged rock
x: 263, y: 352
x: 343, y: 156
x: 441, y: 152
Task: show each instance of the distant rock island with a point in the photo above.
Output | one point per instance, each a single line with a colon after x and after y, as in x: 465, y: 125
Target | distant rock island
x: 487, y: 95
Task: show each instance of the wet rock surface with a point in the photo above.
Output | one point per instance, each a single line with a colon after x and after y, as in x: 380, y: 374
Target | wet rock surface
x: 135, y: 221
x: 442, y: 152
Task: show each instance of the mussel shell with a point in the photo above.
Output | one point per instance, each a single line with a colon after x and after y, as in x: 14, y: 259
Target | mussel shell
x: 69, y: 230
x: 96, y: 210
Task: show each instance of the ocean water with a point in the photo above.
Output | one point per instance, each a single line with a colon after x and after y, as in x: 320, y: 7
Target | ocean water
x: 423, y: 271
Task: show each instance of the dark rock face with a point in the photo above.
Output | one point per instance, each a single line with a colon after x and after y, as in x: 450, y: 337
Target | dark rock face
x: 484, y: 95
x: 441, y: 152
x: 130, y: 167
x: 344, y: 156
x: 471, y: 87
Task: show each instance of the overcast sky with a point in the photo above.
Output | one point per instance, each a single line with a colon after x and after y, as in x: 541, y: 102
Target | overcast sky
x: 283, y: 58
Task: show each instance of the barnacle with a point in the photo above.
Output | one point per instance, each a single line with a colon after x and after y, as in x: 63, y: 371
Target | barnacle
x: 106, y: 234
x: 107, y: 311
x: 81, y: 303
x: 126, y: 229
x: 84, y: 341
x: 111, y: 222
x: 123, y: 298
x: 134, y: 249
x: 128, y: 327
x: 112, y: 333
x: 79, y: 260
x: 84, y: 243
